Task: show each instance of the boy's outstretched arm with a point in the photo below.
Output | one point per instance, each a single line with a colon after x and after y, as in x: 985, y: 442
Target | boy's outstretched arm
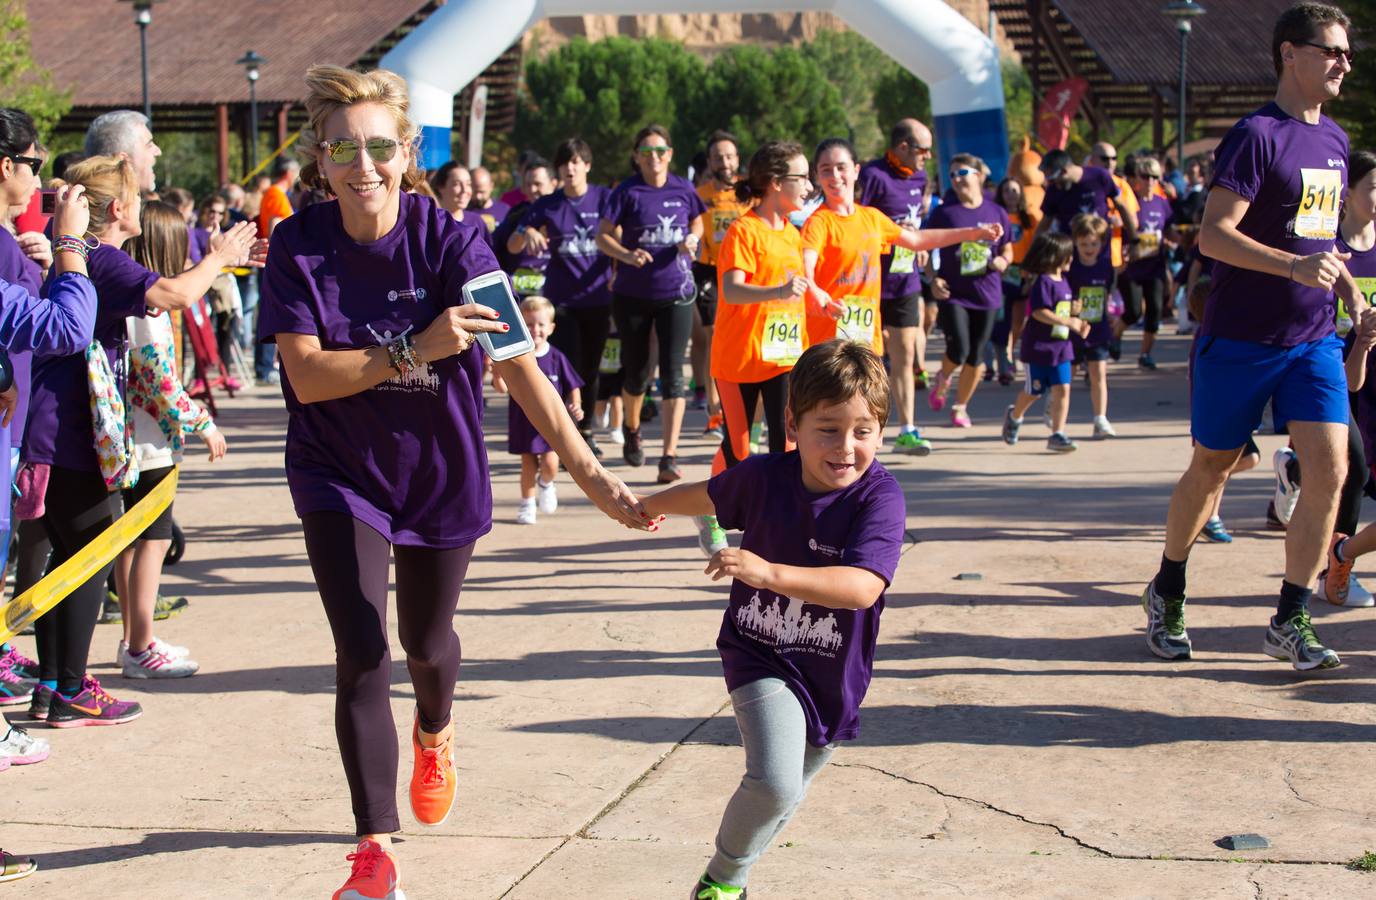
x: 687, y: 499
x: 837, y: 587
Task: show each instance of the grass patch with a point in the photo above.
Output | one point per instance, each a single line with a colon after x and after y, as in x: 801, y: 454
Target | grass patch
x: 1364, y: 863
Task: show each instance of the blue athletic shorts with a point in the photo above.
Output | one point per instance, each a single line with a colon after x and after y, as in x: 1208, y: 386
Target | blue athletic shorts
x: 1233, y: 380
x: 1041, y: 378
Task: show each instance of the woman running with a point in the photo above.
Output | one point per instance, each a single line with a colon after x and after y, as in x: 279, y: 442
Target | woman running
x: 968, y: 283
x: 1008, y: 330
x: 1146, y: 280
x: 564, y: 226
x: 385, y: 453
x: 651, y: 229
x: 453, y: 187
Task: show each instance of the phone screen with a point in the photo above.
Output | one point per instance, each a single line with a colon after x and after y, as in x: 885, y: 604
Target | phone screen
x: 497, y: 296
x: 48, y: 205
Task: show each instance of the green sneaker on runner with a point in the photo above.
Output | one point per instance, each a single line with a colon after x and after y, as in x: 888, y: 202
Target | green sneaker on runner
x: 708, y: 889
x: 909, y: 443
x: 167, y: 607
x: 1296, y: 641
x: 711, y: 536
x: 1166, y: 634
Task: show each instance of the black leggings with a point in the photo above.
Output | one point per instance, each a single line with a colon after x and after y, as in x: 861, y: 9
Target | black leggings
x: 738, y: 412
x: 350, y: 560
x: 1139, y: 294
x: 672, y: 320
x: 78, y: 508
x: 967, y: 331
x: 580, y: 334
x: 1350, y: 496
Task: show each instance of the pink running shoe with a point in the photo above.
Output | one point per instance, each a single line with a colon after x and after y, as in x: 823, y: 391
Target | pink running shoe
x: 21, y: 664
x: 936, y: 397
x: 14, y: 691
x: 93, y: 706
x: 958, y: 418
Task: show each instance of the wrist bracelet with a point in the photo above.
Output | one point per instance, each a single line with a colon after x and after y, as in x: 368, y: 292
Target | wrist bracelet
x: 71, y: 244
x: 1293, y: 260
x: 400, y: 357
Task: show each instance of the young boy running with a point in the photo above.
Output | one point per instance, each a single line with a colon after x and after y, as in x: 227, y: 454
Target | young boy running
x: 1091, y: 284
x: 824, y: 528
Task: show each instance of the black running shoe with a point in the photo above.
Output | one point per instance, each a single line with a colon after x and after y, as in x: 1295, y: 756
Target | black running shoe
x: 631, y: 451
x: 668, y: 470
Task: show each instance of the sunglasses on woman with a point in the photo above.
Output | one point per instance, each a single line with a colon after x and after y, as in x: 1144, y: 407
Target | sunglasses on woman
x: 344, y: 152
x: 647, y: 152
x: 961, y: 173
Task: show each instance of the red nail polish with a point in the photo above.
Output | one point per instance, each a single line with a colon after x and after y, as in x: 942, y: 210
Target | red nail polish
x: 506, y: 327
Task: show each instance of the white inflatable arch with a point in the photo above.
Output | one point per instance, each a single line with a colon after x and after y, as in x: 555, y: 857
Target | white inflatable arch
x: 937, y: 44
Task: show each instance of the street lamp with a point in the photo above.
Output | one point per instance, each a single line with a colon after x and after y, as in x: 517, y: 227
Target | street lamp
x: 251, y: 62
x: 1184, y: 12
x: 143, y: 17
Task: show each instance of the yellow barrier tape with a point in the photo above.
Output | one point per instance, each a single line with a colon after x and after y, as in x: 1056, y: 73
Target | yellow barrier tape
x: 72, y: 574
x: 271, y: 156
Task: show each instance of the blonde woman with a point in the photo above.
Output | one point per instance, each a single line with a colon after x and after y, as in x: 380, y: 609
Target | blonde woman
x: 385, y: 454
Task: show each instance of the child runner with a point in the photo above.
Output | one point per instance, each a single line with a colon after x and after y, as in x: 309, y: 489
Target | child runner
x: 760, y: 330
x: 539, y: 463
x: 1091, y: 283
x: 1046, y: 347
x: 968, y: 283
x: 823, y: 533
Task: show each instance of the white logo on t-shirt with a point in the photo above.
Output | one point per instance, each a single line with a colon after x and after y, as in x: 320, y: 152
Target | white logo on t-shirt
x: 791, y: 626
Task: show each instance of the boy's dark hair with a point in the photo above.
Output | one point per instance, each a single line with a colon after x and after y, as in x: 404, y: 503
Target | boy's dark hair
x: 1086, y: 224
x: 64, y: 161
x: 835, y: 371
x: 573, y: 148
x: 1049, y: 253
x: 1301, y: 23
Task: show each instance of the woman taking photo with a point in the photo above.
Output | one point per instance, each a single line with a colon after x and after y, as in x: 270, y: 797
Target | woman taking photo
x: 61, y: 427
x: 651, y: 229
x: 385, y: 453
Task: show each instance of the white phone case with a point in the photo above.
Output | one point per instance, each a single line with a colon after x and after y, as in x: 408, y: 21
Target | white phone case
x: 508, y: 351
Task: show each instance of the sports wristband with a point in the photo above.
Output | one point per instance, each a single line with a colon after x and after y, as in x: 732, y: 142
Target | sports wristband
x: 1293, y: 260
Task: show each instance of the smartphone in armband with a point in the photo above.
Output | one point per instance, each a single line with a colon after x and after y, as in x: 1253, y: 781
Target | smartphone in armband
x: 493, y: 290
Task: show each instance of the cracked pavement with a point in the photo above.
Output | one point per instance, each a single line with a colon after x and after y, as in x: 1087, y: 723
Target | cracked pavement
x: 1018, y: 740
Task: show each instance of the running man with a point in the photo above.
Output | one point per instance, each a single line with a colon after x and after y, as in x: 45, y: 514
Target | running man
x: 719, y: 193
x: 1270, y: 223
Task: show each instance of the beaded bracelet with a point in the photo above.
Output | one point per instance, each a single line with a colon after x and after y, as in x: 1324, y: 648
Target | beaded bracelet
x: 73, y: 244
x: 402, y: 356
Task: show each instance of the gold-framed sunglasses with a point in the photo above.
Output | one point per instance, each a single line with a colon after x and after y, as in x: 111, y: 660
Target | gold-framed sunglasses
x: 343, y: 152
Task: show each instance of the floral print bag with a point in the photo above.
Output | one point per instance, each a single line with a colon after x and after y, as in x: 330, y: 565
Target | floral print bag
x: 112, y: 431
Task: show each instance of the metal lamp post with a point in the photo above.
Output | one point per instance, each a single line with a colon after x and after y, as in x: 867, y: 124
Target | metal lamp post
x: 143, y: 17
x: 251, y: 62
x: 1184, y: 12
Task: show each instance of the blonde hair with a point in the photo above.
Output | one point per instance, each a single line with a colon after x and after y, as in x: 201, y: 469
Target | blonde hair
x: 106, y: 179
x: 536, y: 304
x: 1088, y: 225
x: 332, y: 88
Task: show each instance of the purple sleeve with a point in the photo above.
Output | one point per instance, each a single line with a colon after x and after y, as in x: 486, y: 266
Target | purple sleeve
x: 58, y: 326
x: 1042, y: 295
x: 732, y: 491
x: 567, y: 373
x: 286, y: 305
x: 121, y: 286
x: 466, y: 256
x: 1241, y: 161
x: 695, y: 203
x: 876, y: 534
x: 536, y: 216
x: 616, y: 205
x: 1110, y: 186
x: 1007, y: 224
x: 867, y: 185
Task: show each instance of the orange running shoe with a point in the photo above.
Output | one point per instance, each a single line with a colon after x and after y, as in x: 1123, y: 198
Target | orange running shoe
x: 374, y: 875
x: 1335, y: 579
x: 433, y: 779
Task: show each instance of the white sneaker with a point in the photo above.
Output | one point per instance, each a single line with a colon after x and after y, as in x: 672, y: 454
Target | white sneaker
x: 1358, y: 597
x: 1287, y: 492
x: 616, y: 437
x: 546, y: 496
x: 154, y: 663
x: 526, y: 514
x: 1103, y: 428
x: 18, y: 748
x: 122, y: 654
x: 603, y: 422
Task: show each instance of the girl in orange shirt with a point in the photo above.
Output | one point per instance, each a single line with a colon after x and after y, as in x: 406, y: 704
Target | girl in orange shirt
x: 842, y: 243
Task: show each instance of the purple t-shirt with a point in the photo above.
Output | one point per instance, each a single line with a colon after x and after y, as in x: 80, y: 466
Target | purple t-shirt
x: 975, y: 284
x: 1043, y: 344
x: 657, y: 220
x: 405, y: 457
x: 1362, y: 265
x: 1294, y: 176
x: 1092, y: 285
x: 1153, y: 216
x: 577, y: 273
x: 17, y: 269
x: 198, y: 244
x: 900, y: 199
x: 59, y: 430
x: 494, y: 215
x: 527, y: 270
x: 1088, y: 195
x: 521, y: 435
x: 826, y: 656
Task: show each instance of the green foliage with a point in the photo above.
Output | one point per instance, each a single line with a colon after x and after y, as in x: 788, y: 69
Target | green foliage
x: 855, y: 66
x: 1018, y: 103
x: 1364, y: 863
x: 899, y: 94
x: 1354, y: 108
x: 23, y: 83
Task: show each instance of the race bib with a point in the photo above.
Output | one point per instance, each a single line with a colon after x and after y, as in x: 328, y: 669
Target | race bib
x: 1148, y: 243
x: 1367, y: 288
x: 1092, y: 301
x: 859, y: 321
x: 903, y: 260
x: 1061, y: 332
x: 721, y: 223
x: 1318, y: 212
x: 528, y: 282
x: 974, y: 258
x: 782, y: 339
x: 611, y: 357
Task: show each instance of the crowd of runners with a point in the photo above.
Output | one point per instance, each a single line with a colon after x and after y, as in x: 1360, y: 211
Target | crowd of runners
x: 788, y: 294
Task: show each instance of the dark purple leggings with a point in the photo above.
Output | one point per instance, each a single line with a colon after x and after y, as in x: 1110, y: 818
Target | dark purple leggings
x: 350, y: 562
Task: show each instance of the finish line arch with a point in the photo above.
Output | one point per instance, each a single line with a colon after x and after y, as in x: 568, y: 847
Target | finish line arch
x: 958, y: 62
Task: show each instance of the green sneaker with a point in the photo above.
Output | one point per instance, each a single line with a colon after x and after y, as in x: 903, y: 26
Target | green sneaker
x: 909, y: 443
x: 711, y: 536
x: 708, y: 889
x: 109, y: 611
x: 167, y: 607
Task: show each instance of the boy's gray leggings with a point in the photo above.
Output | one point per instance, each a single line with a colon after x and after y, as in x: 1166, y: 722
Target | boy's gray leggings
x: 779, y: 766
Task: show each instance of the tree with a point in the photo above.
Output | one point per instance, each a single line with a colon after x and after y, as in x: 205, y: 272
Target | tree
x: 899, y: 94
x: 1353, y: 110
x: 854, y: 65
x: 23, y: 83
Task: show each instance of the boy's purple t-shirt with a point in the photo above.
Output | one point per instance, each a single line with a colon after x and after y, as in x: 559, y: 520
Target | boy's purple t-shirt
x: 826, y: 656
x: 899, y: 198
x: 405, y: 457
x: 59, y: 430
x: 1362, y: 265
x: 1089, y: 195
x: 657, y: 220
x: 966, y: 266
x: 1153, y: 216
x: 1092, y: 285
x: 1042, y: 344
x: 521, y: 435
x: 578, y: 272
x: 1294, y: 177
